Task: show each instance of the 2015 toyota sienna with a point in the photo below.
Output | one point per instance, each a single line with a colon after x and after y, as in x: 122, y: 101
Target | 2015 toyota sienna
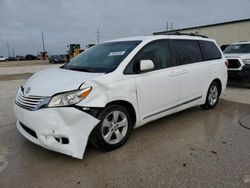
x: 106, y: 91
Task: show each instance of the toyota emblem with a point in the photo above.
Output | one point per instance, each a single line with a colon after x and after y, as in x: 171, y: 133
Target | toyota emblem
x: 27, y: 90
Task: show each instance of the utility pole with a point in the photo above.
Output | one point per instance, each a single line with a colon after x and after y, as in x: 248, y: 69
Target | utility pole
x: 171, y: 27
x: 98, y: 36
x: 43, y: 42
x: 8, y: 48
x: 13, y: 52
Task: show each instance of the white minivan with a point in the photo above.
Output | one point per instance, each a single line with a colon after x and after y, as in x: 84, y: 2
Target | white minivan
x: 113, y: 87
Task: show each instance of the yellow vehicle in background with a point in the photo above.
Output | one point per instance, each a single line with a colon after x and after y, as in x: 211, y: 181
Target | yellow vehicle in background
x: 74, y: 50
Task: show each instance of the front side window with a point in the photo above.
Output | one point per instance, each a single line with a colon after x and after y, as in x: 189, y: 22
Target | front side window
x: 157, y: 51
x: 103, y: 57
x: 186, y: 51
x: 237, y: 49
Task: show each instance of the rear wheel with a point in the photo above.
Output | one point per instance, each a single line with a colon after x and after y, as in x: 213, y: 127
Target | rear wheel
x: 113, y: 130
x: 213, y: 95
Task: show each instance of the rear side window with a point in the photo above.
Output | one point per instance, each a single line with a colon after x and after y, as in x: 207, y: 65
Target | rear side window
x: 186, y: 51
x: 209, y: 50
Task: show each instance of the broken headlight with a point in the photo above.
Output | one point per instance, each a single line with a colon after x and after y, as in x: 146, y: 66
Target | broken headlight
x: 69, y: 98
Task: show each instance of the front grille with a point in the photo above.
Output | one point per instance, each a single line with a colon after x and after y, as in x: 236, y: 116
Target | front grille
x: 233, y: 63
x: 28, y: 130
x: 29, y: 102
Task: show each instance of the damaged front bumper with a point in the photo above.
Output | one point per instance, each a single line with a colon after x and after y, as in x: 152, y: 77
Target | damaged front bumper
x: 65, y: 129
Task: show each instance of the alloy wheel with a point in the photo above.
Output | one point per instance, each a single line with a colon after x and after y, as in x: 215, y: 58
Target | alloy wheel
x: 114, y: 127
x: 213, y: 95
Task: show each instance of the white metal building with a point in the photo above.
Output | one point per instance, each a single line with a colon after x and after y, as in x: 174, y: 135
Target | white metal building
x: 223, y: 33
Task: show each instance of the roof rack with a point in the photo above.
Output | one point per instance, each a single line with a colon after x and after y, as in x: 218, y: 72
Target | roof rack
x: 187, y: 34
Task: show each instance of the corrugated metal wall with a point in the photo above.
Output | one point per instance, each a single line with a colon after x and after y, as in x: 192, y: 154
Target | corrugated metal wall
x: 225, y: 34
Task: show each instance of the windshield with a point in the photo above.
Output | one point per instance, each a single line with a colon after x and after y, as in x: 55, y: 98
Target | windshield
x: 237, y: 48
x: 103, y: 57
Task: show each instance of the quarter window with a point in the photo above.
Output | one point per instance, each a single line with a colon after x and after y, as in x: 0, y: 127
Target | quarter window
x: 186, y: 51
x: 210, y: 50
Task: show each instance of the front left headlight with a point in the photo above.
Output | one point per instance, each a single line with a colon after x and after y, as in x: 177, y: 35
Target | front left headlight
x: 69, y: 98
x: 246, y: 61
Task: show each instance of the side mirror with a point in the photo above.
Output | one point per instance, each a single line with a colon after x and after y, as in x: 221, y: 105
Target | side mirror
x: 146, y: 65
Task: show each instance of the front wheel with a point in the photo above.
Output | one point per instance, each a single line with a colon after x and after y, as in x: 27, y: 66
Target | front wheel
x: 113, y: 130
x: 213, y: 95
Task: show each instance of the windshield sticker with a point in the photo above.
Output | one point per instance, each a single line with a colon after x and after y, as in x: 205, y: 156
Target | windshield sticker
x: 117, y: 53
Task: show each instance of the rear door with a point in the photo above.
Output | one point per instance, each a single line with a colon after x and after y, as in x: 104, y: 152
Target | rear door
x: 194, y: 73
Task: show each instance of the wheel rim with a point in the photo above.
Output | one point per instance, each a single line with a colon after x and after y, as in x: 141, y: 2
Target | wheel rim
x: 114, y: 127
x: 213, y: 95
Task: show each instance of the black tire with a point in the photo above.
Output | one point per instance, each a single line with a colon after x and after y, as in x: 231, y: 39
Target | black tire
x: 96, y: 137
x: 209, y: 104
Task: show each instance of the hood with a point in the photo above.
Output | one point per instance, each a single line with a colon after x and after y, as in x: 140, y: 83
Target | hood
x: 242, y: 56
x: 55, y: 80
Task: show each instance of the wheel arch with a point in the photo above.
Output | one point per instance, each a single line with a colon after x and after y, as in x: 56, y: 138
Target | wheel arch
x: 218, y: 81
x: 128, y: 106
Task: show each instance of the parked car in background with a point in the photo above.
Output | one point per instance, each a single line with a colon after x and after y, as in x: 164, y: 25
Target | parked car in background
x: 57, y: 59
x: 238, y: 56
x: 3, y: 58
x: 20, y: 58
x: 224, y: 46
x: 113, y: 87
x: 31, y: 57
x: 12, y: 59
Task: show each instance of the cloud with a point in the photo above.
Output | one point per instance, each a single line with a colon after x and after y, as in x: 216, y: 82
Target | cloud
x: 76, y: 21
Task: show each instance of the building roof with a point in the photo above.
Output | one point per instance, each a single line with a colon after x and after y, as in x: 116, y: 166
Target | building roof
x: 203, y: 26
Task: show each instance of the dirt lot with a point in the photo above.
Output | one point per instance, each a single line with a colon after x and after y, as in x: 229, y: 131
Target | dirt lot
x: 23, y: 63
x: 194, y: 148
